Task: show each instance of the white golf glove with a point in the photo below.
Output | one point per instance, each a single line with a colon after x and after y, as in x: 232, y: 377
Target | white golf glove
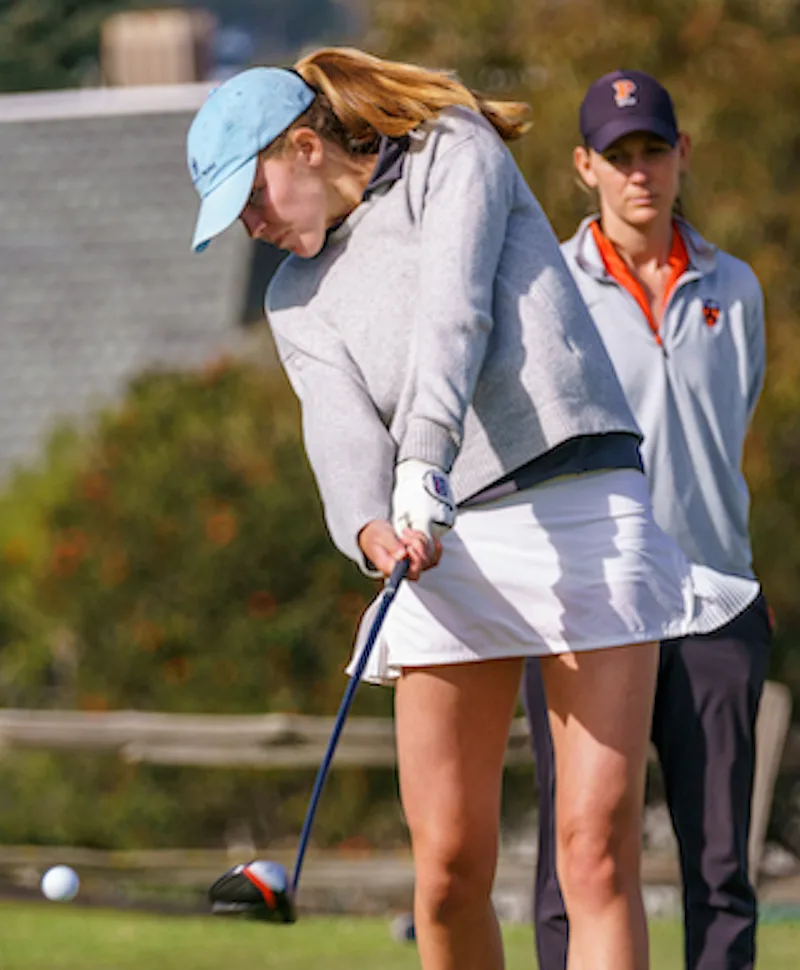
x: 422, y: 499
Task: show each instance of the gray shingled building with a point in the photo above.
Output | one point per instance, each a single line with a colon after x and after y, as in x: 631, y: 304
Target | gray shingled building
x: 96, y: 215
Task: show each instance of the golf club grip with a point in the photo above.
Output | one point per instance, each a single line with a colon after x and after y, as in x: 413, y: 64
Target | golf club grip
x: 390, y: 587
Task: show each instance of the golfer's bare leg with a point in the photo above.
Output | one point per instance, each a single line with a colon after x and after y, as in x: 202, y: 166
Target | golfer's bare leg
x: 600, y: 705
x: 452, y: 729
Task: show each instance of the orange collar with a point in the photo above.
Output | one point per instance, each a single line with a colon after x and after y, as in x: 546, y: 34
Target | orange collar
x: 617, y: 268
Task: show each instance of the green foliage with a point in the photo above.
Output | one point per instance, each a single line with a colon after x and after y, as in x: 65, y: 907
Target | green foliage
x: 177, y: 561
x: 46, y: 44
x: 97, y: 800
x: 174, y: 558
x: 50, y: 43
x: 733, y: 67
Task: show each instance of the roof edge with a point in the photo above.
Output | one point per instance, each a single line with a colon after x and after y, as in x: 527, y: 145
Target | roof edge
x: 102, y: 102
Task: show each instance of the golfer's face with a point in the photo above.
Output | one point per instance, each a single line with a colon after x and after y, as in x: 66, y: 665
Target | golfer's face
x: 287, y: 205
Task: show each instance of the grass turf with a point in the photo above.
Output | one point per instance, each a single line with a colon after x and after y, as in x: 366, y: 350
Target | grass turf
x: 42, y: 936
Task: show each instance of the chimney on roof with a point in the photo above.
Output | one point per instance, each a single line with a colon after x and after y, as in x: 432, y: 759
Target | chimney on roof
x: 169, y: 46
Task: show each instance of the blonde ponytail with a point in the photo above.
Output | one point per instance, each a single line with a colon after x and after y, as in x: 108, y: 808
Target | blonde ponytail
x: 361, y: 97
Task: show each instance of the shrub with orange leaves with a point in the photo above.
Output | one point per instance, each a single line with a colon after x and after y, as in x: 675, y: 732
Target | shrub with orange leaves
x: 221, y: 527
x: 189, y: 530
x: 175, y: 559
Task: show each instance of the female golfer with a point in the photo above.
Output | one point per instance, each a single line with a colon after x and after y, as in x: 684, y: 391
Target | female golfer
x: 444, y: 360
x: 684, y: 325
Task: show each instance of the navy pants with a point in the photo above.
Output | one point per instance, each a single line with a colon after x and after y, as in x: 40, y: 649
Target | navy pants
x: 706, y: 701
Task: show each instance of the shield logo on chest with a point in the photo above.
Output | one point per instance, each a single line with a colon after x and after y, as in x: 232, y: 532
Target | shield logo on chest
x: 711, y: 312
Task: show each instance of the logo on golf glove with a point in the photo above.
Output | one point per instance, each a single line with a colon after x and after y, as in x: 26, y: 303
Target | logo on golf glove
x: 422, y: 499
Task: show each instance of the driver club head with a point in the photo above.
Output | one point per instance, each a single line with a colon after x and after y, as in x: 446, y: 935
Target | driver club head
x: 254, y: 890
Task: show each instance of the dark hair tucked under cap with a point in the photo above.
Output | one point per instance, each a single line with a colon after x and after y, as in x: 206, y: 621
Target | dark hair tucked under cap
x: 623, y: 102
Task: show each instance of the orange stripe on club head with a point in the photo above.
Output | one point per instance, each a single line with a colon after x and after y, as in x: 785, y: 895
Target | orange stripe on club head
x: 262, y: 887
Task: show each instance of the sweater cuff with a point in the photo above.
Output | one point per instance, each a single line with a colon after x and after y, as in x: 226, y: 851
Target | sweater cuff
x: 429, y: 442
x: 352, y: 549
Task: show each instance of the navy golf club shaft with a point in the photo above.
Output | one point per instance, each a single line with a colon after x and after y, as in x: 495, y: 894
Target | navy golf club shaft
x: 387, y: 595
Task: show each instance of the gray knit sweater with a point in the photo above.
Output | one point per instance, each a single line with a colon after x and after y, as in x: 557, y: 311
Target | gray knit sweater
x: 439, y: 322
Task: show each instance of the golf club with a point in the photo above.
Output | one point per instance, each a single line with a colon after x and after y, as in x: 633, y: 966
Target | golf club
x: 261, y: 889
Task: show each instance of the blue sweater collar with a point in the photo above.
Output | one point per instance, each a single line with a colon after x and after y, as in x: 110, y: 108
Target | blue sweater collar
x: 389, y: 167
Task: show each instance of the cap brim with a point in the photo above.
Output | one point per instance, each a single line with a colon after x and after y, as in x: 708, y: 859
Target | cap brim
x: 223, y: 205
x: 619, y: 127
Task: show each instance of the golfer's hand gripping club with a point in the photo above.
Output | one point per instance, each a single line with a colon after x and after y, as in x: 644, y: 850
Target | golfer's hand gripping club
x: 422, y: 499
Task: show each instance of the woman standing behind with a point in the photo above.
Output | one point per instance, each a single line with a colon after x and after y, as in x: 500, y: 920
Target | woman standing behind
x: 683, y: 323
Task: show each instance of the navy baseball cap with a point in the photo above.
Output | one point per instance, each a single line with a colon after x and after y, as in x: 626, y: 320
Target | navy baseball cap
x: 237, y: 121
x: 622, y: 102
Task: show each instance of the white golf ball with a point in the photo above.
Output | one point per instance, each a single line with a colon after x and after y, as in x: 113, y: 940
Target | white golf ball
x: 60, y: 884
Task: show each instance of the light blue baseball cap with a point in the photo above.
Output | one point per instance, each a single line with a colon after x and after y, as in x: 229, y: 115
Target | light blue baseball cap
x: 237, y: 121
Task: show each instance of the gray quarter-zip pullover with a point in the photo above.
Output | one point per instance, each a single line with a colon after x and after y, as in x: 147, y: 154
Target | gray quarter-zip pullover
x: 693, y: 395
x: 439, y: 322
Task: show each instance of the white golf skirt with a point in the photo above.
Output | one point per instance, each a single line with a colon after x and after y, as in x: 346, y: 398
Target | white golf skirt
x: 577, y: 563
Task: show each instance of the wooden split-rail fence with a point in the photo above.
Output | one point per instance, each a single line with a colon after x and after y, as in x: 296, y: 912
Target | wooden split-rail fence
x: 272, y: 741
